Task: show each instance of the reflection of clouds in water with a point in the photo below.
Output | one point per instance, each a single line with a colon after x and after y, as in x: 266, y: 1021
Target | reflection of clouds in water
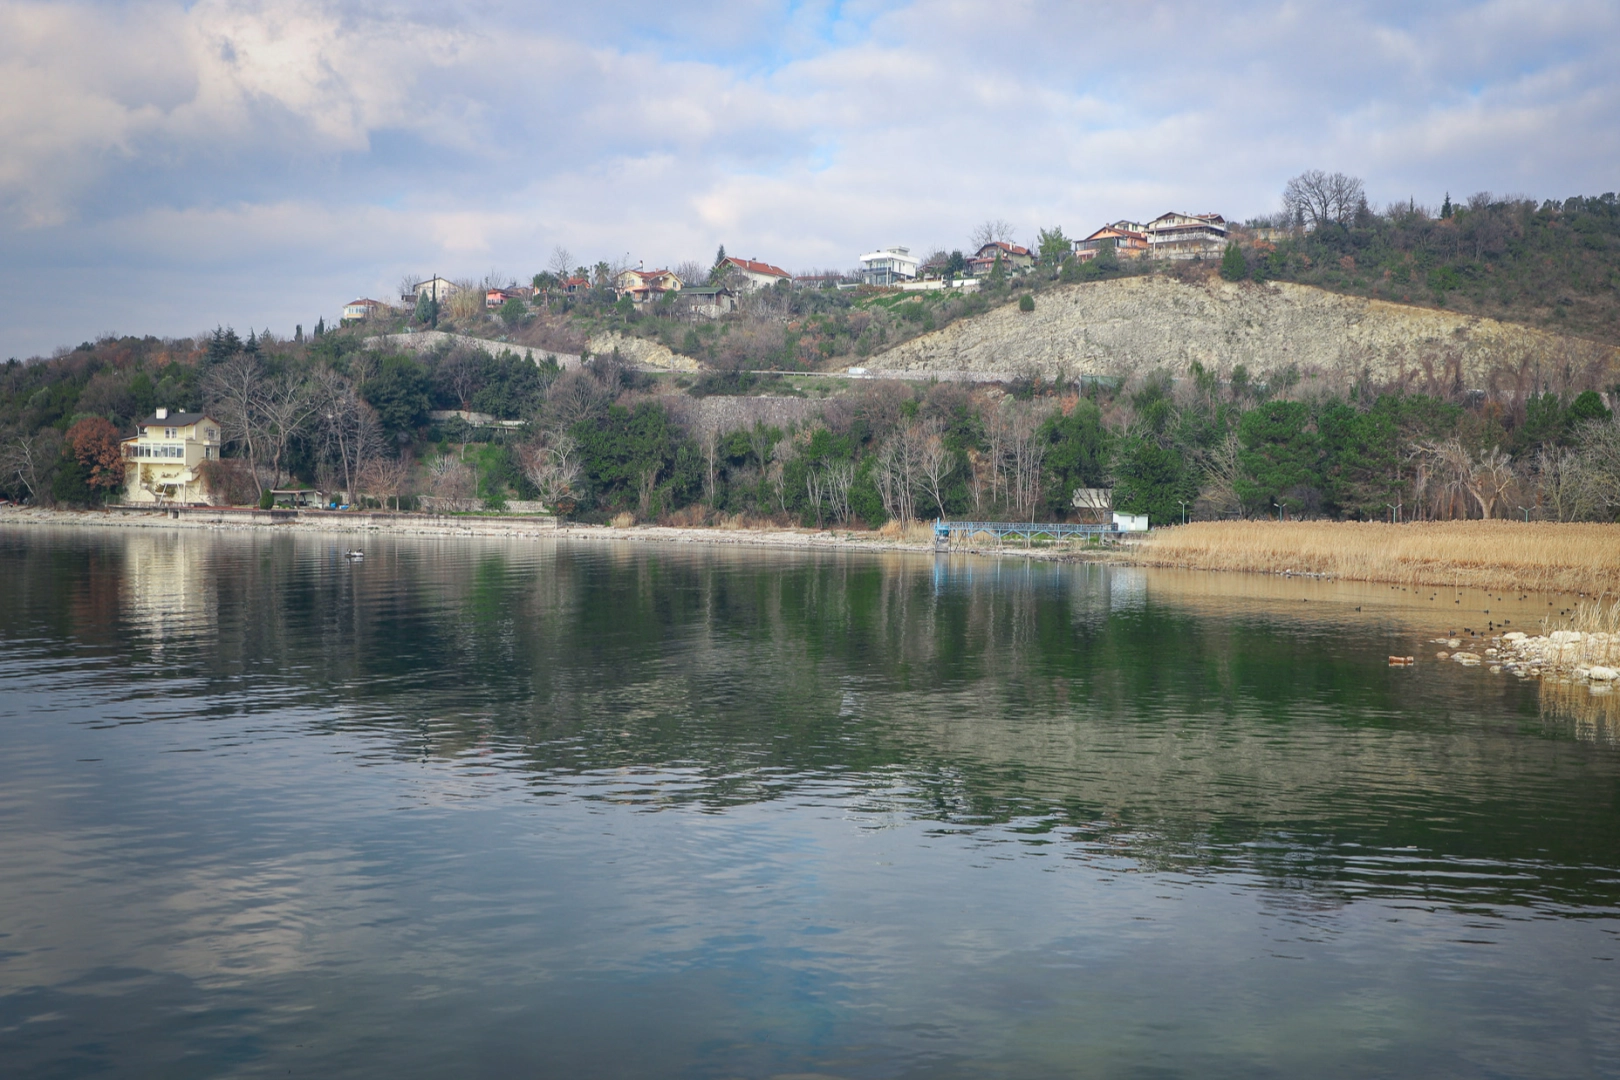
x: 1126, y: 588
x: 169, y: 593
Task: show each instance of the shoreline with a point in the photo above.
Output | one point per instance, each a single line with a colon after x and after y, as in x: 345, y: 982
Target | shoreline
x: 389, y: 523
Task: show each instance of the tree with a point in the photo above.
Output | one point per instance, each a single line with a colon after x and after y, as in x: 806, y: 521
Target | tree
x: 386, y: 477
x: 233, y: 390
x: 30, y: 459
x: 1026, y: 303
x: 285, y: 409
x: 399, y: 394
x: 1318, y: 198
x: 1278, y: 457
x: 1445, y: 208
x: 989, y: 232
x: 1053, y: 247
x: 562, y: 262
x: 452, y: 482
x: 94, y: 443
x: 717, y: 272
x: 551, y: 463
x: 1076, y: 453
x: 1233, y: 265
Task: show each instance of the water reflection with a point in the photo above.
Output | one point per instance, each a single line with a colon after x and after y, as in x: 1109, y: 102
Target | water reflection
x: 1075, y: 704
x: 497, y: 808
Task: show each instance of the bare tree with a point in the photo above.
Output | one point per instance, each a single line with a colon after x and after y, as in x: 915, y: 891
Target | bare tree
x: 1318, y: 198
x: 28, y: 458
x: 692, y: 272
x: 935, y: 462
x: 349, y: 427
x: 989, y: 232
x: 1023, y: 456
x: 837, y: 478
x: 234, y: 389
x: 386, y: 477
x: 574, y: 396
x: 813, y: 489
x: 552, y: 465
x: 285, y: 408
x: 452, y: 482
x: 562, y: 263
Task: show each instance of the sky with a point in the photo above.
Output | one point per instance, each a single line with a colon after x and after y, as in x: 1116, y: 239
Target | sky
x: 169, y: 167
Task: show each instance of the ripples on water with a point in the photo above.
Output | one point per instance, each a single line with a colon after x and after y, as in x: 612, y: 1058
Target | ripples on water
x: 478, y: 808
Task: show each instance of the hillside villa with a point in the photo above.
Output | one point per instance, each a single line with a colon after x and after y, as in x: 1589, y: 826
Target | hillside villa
x: 1130, y: 241
x: 748, y: 274
x: 1013, y: 257
x: 644, y: 286
x: 889, y: 266
x: 161, y: 463
x: 361, y: 310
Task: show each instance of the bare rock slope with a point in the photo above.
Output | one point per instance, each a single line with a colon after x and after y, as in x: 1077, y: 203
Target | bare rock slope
x: 1135, y: 325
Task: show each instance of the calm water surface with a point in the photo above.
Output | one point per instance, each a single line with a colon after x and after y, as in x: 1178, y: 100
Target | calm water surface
x: 514, y: 809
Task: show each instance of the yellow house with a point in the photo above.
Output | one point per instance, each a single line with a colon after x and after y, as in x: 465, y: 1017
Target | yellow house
x: 161, y: 463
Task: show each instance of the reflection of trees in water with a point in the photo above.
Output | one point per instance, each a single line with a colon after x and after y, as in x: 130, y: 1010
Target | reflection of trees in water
x: 1035, y: 704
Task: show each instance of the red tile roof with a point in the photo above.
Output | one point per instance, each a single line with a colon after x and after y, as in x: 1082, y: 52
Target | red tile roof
x: 757, y: 267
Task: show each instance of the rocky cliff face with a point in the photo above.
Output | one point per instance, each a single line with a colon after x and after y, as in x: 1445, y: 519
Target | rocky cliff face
x: 1135, y: 325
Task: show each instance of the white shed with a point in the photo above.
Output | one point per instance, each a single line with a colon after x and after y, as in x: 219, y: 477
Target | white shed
x: 1130, y: 522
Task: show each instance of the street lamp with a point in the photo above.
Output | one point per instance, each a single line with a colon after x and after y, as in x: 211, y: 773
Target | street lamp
x: 1183, y: 503
x: 1526, y: 515
x: 1394, y: 512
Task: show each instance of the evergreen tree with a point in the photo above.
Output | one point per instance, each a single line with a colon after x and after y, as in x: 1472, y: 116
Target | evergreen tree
x: 1445, y: 208
x: 320, y: 326
x: 718, y: 270
x: 252, y: 346
x: 1233, y: 265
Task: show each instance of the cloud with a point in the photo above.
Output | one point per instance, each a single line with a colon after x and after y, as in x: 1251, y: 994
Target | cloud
x: 257, y: 156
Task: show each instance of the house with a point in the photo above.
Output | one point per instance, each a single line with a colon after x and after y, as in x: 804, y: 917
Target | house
x: 644, y: 286
x: 1130, y: 241
x: 576, y: 285
x: 161, y: 462
x: 705, y: 301
x: 1186, y: 236
x: 748, y: 274
x: 361, y: 310
x: 436, y: 288
x: 1012, y: 257
x: 888, y: 266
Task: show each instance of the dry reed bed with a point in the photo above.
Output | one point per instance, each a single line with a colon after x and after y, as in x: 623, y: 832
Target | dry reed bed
x: 1536, y: 556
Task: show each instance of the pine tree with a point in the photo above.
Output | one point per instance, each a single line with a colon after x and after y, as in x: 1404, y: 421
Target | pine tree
x: 298, y: 333
x: 320, y: 326
x: 1233, y: 266
x: 252, y: 346
x: 1445, y: 208
x: 718, y: 271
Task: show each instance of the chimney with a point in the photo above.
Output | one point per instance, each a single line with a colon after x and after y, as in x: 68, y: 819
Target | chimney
x: 163, y: 414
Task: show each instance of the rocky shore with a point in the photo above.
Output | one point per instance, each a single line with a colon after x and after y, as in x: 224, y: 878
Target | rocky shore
x: 1584, y: 657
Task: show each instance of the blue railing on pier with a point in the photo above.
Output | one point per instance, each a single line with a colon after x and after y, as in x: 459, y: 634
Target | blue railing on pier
x: 949, y: 532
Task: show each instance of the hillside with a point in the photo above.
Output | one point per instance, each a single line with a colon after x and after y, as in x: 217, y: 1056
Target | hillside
x: 1135, y: 325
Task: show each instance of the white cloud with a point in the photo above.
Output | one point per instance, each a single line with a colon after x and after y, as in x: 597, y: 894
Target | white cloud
x: 328, y: 141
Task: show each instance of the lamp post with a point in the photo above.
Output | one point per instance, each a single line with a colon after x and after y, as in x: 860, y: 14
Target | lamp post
x: 1526, y: 514
x: 1394, y: 512
x: 1183, y: 503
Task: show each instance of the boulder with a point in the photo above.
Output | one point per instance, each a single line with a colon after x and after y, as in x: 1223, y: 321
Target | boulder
x: 1602, y: 673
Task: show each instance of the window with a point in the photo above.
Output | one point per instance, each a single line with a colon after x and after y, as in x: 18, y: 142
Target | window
x: 208, y: 453
x: 211, y: 434
x: 169, y: 433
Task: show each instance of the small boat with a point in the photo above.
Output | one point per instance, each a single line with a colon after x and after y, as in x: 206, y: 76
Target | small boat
x: 354, y: 554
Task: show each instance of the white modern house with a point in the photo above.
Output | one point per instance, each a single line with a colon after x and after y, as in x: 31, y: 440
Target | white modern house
x: 889, y: 266
x: 161, y: 462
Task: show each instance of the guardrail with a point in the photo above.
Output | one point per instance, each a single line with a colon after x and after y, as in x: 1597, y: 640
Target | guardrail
x: 948, y: 532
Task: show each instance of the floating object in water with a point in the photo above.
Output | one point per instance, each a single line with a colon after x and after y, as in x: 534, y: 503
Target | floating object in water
x: 354, y: 554
x: 1402, y: 661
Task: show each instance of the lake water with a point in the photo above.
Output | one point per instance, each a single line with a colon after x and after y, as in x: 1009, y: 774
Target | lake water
x: 488, y: 808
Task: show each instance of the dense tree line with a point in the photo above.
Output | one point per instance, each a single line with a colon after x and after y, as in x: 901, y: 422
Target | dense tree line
x: 602, y: 439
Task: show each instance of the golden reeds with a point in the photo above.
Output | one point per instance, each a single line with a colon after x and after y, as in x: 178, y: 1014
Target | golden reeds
x: 1538, y: 556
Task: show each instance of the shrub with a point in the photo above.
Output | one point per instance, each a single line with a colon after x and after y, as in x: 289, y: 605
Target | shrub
x: 1026, y: 303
